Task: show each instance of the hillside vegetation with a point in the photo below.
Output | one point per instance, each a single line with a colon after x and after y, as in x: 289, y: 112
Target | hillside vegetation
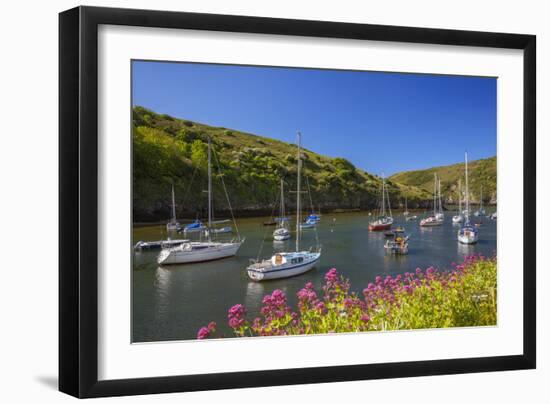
x: 170, y: 151
x: 481, y: 173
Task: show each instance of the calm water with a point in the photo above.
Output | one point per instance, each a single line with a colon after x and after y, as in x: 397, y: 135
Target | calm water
x: 173, y: 302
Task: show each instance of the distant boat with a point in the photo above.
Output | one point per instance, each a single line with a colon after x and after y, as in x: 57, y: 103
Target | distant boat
x: 199, y: 251
x: 287, y: 264
x: 154, y: 245
x: 480, y: 211
x: 196, y: 227
x: 399, y: 245
x: 383, y: 221
x: 173, y: 224
x: 467, y: 234
x: 308, y: 224
x: 439, y: 215
x: 406, y: 212
x: 459, y: 218
x: 312, y: 217
x: 493, y: 216
x: 433, y: 220
x: 282, y: 232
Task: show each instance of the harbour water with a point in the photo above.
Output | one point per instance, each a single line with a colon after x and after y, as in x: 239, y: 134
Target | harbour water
x: 173, y: 302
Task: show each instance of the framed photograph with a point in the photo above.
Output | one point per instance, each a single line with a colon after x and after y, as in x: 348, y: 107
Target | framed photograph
x: 251, y: 201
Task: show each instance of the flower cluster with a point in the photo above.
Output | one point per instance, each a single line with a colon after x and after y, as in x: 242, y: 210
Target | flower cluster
x: 205, y: 332
x: 463, y: 296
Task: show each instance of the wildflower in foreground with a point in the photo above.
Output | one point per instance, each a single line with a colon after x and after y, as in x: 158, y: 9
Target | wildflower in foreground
x: 464, y: 296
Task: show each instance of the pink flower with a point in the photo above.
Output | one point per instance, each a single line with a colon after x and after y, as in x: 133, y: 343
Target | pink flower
x: 332, y: 275
x: 203, y: 333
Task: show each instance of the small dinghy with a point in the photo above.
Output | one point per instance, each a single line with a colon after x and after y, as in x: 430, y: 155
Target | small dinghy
x: 399, y: 245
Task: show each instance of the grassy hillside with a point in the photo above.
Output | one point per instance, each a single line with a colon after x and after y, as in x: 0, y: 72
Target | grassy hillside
x: 481, y: 173
x: 170, y: 151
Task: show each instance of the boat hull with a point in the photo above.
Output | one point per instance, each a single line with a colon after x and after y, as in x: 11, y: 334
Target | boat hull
x: 287, y: 272
x: 181, y: 256
x: 458, y: 219
x: 379, y: 227
x: 467, y: 240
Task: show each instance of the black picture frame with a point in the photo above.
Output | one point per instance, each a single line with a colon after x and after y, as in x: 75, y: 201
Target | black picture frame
x: 78, y: 200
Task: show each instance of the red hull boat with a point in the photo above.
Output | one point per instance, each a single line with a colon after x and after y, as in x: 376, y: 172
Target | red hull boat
x: 379, y: 227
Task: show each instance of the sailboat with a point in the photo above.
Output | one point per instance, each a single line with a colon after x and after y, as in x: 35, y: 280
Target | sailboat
x: 287, y: 264
x: 408, y: 216
x: 199, y: 251
x: 173, y: 224
x: 282, y: 232
x: 467, y: 234
x: 312, y: 219
x: 459, y: 218
x: 382, y: 222
x: 439, y: 215
x: 480, y: 211
x: 433, y: 220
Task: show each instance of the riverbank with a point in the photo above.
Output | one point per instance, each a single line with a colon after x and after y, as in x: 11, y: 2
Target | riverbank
x: 267, y: 215
x: 465, y: 296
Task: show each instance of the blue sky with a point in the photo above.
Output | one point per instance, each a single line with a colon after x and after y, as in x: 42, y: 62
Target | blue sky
x: 381, y: 122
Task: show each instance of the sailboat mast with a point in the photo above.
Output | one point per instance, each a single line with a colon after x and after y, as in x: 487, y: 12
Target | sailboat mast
x: 439, y: 193
x: 459, y: 197
x: 383, y: 212
x: 298, y: 207
x: 209, y: 187
x: 467, y: 189
x: 481, y: 198
x: 173, y: 205
x: 435, y: 193
x: 282, y: 200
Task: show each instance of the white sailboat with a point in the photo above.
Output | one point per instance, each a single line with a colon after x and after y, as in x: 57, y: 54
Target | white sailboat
x: 433, y: 220
x: 480, y: 211
x: 287, y: 264
x: 173, y: 224
x: 467, y: 234
x: 282, y: 232
x: 459, y: 218
x: 407, y: 214
x: 199, y: 251
x: 439, y: 215
x: 383, y: 221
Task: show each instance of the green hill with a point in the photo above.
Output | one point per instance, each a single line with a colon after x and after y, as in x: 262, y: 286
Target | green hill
x: 481, y: 173
x: 170, y: 151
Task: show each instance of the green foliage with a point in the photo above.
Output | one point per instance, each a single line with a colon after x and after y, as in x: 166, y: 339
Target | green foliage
x: 481, y: 173
x: 167, y: 151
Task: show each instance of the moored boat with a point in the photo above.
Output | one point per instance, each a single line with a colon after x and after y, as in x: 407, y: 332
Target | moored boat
x: 399, y: 245
x: 459, y: 217
x: 199, y: 251
x: 173, y: 224
x: 383, y: 221
x: 433, y: 220
x: 282, y: 231
x: 287, y: 264
x: 467, y: 234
